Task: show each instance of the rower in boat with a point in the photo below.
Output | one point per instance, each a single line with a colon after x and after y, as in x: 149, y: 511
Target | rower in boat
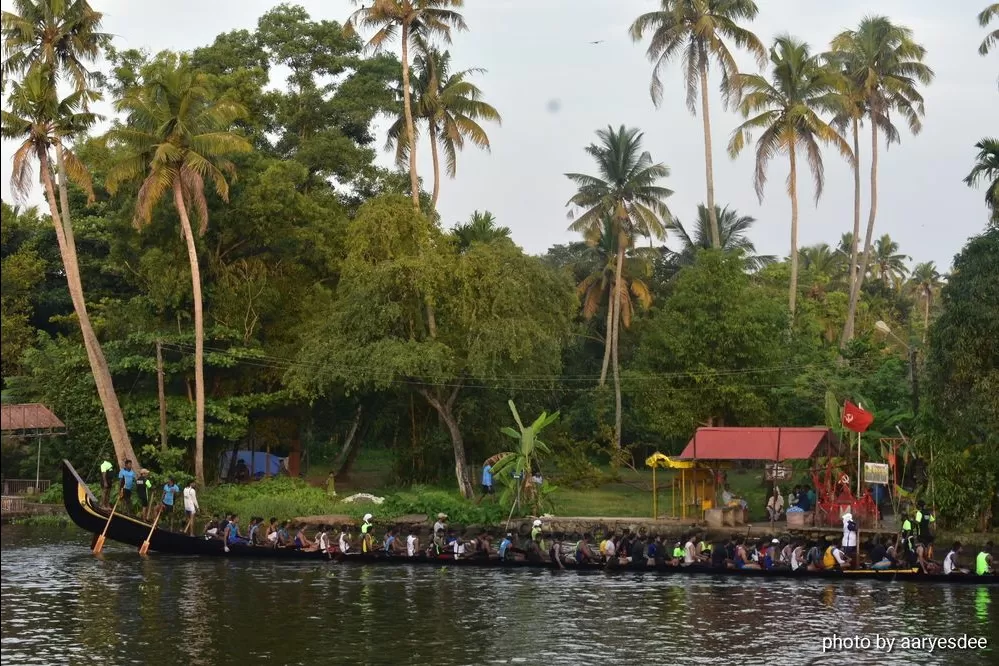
x: 639, y: 553
x: 504, y: 547
x: 367, y: 542
x: 879, y: 557
x: 584, y: 554
x: 323, y: 539
x: 923, y: 561
x: 393, y: 545
x: 232, y: 535
x: 555, y: 552
x: 950, y: 565
x: 835, y: 558
x: 302, y: 542
x: 797, y: 555
x: 344, y: 541
x: 212, y: 527
x: 984, y: 564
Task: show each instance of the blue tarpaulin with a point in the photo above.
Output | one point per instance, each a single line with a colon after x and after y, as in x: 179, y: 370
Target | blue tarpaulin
x: 257, y: 463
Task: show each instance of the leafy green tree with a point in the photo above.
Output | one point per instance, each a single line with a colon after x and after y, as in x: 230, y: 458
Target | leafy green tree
x: 822, y: 259
x: 450, y: 105
x: 984, y: 19
x: 176, y: 134
x: 22, y: 270
x: 697, y: 31
x: 734, y: 229
x: 987, y: 168
x: 503, y: 318
x: 714, y: 347
x: 626, y: 192
x: 882, y: 62
x: 480, y: 228
x: 962, y: 386
x: 786, y: 112
x: 411, y: 20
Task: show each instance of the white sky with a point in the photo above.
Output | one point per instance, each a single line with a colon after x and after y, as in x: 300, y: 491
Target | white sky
x: 537, y: 51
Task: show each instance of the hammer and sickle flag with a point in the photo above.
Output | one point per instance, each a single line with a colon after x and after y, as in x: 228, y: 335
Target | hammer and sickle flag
x: 856, y: 418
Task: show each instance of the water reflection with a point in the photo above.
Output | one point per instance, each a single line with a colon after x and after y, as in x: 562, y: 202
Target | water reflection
x: 62, y: 605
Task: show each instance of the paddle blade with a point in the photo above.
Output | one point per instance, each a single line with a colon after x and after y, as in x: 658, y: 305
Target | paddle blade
x: 99, y: 544
x: 144, y: 548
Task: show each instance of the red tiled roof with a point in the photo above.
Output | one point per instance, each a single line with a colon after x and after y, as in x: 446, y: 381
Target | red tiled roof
x: 756, y: 443
x: 20, y: 418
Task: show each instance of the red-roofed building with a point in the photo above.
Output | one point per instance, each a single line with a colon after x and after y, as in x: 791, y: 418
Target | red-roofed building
x: 760, y: 444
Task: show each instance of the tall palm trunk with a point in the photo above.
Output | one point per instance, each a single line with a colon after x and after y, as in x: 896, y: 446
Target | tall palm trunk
x: 869, y: 237
x: 95, y: 355
x: 615, y: 327
x: 199, y: 336
x: 609, y: 333
x: 852, y: 311
x: 709, y: 171
x: 793, y: 191
x: 414, y: 181
x: 432, y: 137
x: 926, y: 313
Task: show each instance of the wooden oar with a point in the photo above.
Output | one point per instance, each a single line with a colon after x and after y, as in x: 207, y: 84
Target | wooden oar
x: 144, y: 548
x: 99, y: 544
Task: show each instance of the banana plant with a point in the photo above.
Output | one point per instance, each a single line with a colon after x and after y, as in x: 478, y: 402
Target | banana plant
x: 515, y: 469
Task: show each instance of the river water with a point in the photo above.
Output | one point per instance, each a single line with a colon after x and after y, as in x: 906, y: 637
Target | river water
x: 60, y: 604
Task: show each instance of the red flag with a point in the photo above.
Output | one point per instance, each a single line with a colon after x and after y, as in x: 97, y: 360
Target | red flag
x: 856, y: 418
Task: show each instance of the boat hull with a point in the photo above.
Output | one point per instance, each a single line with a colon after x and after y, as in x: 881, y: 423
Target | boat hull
x: 84, y: 510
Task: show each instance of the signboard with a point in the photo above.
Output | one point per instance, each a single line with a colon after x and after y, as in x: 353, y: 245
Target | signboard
x: 776, y: 472
x: 876, y: 473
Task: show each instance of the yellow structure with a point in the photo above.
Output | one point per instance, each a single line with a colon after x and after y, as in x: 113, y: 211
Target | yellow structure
x: 695, y: 477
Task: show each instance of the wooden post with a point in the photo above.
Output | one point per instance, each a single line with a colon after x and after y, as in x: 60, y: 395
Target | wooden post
x: 161, y: 391
x: 773, y: 491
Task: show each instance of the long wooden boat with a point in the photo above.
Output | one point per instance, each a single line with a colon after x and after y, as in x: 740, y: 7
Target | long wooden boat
x: 84, y: 509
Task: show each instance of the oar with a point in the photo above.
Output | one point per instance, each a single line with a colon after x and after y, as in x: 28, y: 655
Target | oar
x: 99, y: 544
x: 144, y: 548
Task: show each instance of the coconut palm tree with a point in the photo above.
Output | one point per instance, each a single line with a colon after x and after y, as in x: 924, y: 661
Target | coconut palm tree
x: 822, y: 259
x: 176, y: 135
x: 63, y: 34
x: 849, y: 107
x: 987, y: 168
x: 888, y: 265
x: 410, y: 19
x: 886, y: 65
x: 696, y: 31
x: 733, y: 229
x: 452, y: 107
x: 925, y: 283
x: 785, y: 111
x: 595, y: 289
x: 46, y: 40
x: 480, y: 228
x: 984, y: 18
x: 627, y: 192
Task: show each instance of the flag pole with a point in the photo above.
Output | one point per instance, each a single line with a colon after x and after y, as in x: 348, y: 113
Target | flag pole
x: 858, y: 466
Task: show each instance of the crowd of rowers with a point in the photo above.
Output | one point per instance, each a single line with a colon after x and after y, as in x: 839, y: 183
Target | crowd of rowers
x: 625, y: 549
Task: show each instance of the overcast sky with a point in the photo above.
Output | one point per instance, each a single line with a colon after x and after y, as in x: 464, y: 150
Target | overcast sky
x: 554, y: 89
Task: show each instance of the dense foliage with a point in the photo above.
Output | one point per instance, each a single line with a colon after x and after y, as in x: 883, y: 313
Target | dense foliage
x: 339, y: 316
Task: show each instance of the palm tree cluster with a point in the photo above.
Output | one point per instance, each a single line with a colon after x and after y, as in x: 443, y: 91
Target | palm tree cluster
x: 445, y: 101
x: 869, y: 74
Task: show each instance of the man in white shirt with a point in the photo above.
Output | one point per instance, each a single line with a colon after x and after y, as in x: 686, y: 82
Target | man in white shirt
x: 412, y: 543
x: 950, y: 562
x: 690, y: 551
x: 441, y: 524
x: 849, y: 535
x: 190, y: 507
x: 840, y: 557
x: 344, y: 541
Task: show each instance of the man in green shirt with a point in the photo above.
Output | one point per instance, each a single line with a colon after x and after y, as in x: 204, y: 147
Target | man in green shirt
x: 107, y: 479
x: 984, y: 562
